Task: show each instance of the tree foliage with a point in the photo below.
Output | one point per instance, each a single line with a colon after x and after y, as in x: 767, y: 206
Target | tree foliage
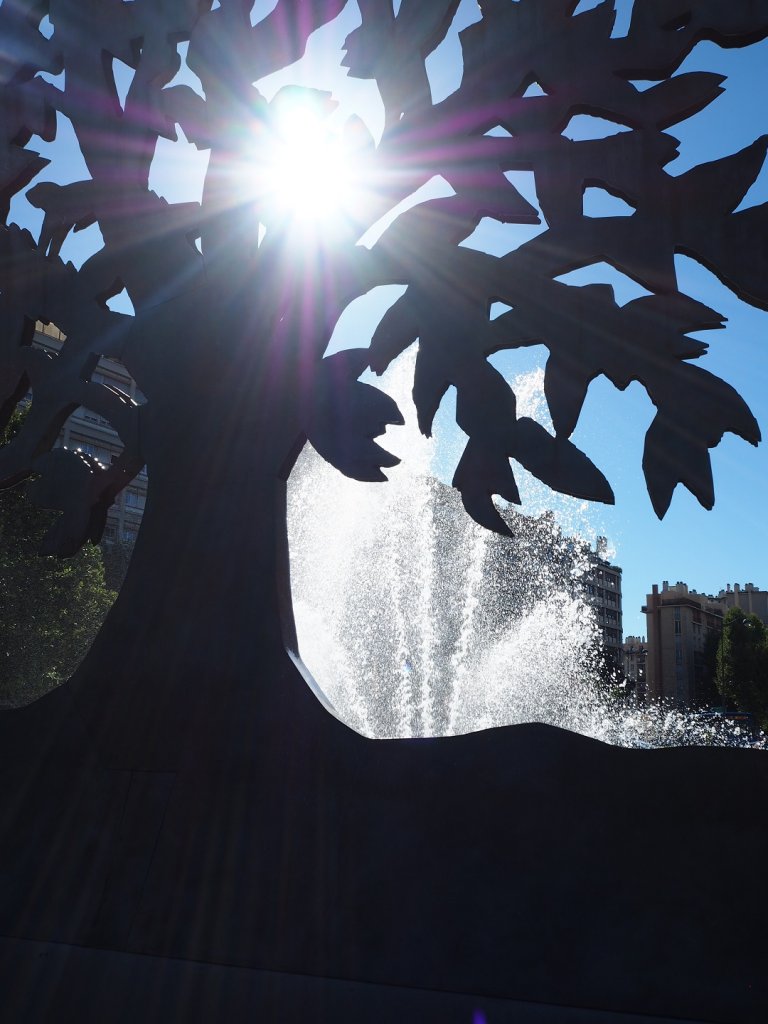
x: 237, y: 326
x: 742, y: 663
x: 50, y: 609
x: 148, y: 242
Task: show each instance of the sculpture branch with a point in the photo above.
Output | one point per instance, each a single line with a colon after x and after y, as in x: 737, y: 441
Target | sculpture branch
x: 228, y: 337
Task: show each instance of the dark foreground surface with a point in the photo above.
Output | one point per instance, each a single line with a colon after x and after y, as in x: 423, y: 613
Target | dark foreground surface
x: 45, y: 982
x: 283, y: 865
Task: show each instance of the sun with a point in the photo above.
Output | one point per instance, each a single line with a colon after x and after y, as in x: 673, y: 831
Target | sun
x: 310, y: 175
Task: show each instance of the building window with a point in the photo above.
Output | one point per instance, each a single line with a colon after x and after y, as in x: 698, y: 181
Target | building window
x: 102, y: 454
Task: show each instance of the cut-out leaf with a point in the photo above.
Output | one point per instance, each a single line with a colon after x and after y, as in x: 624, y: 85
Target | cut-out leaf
x: 695, y: 410
x: 681, y: 97
x: 397, y: 329
x: 480, y: 474
x: 559, y: 464
x: 345, y: 415
x: 672, y: 456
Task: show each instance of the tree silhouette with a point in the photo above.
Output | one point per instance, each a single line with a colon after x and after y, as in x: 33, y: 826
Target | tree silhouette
x: 228, y: 338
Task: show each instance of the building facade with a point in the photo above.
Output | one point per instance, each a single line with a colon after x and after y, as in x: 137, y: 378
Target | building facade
x: 88, y: 432
x: 681, y: 624
x: 635, y: 664
x: 602, y: 584
x: 749, y: 598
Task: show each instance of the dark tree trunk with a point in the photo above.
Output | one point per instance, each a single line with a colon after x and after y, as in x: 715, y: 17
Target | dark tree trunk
x: 204, y: 614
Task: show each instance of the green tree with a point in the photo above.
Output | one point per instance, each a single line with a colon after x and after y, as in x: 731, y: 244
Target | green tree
x: 707, y: 685
x: 50, y: 609
x: 742, y: 664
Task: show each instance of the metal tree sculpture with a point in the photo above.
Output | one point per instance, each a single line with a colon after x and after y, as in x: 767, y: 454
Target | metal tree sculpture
x: 227, y: 340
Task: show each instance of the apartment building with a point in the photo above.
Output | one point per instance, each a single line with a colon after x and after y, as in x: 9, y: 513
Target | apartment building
x: 749, y: 598
x: 680, y: 624
x: 88, y: 432
x: 635, y: 664
x: 602, y: 584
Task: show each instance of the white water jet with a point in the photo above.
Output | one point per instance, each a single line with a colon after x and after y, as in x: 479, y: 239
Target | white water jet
x: 414, y: 620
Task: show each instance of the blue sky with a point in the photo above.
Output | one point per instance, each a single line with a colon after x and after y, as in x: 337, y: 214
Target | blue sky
x: 705, y: 549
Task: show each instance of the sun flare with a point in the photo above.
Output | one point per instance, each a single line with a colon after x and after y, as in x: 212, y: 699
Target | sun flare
x: 310, y: 175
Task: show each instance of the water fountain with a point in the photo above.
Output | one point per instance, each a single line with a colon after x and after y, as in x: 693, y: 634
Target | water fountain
x: 417, y: 622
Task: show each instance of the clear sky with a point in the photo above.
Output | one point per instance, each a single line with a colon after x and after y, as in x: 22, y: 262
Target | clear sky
x: 705, y: 549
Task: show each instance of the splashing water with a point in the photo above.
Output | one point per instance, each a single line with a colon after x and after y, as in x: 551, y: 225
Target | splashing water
x: 415, y: 621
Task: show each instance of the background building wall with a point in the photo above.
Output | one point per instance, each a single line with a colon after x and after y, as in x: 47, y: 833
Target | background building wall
x: 602, y: 583
x: 749, y: 598
x: 681, y: 623
x: 635, y: 657
x: 88, y: 432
